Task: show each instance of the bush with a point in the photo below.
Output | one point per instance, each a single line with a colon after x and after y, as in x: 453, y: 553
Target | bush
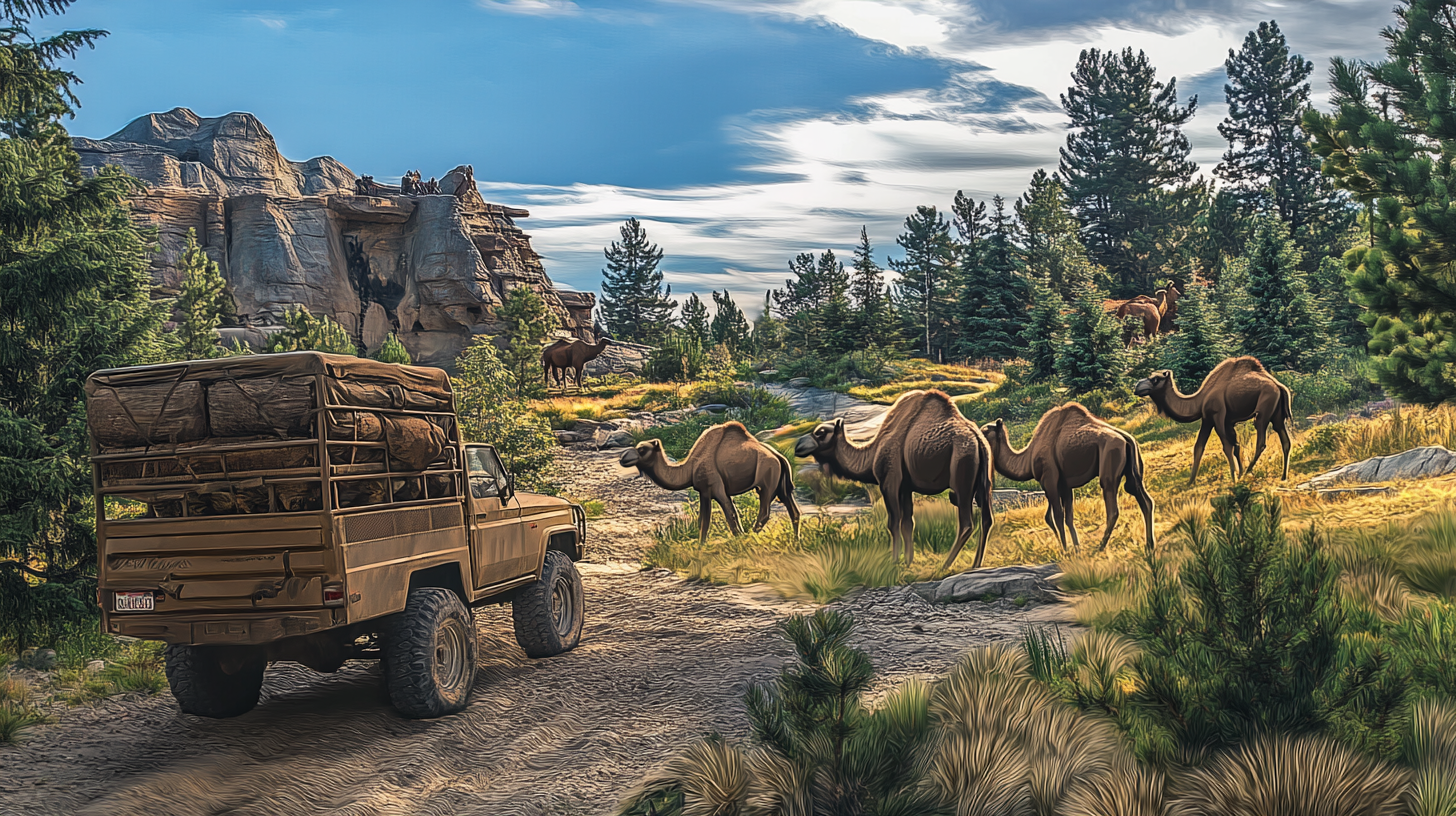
x: 1294, y: 776
x: 490, y: 413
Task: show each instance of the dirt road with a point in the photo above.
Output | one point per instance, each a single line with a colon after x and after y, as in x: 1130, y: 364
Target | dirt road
x: 662, y: 661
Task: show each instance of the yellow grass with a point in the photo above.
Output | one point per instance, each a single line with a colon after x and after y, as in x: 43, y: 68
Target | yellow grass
x: 919, y: 374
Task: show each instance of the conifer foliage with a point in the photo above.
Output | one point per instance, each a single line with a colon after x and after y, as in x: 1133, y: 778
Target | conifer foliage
x: 203, y: 301
x: 1093, y: 355
x: 1201, y: 341
x: 993, y: 294
x: 1283, y: 327
x: 74, y: 298
x: 635, y: 304
x: 393, y: 351
x: 694, y: 321
x: 926, y: 291
x: 528, y: 323
x: 305, y: 331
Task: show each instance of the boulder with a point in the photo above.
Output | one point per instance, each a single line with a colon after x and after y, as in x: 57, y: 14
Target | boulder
x: 713, y: 408
x: 605, y: 439
x: 799, y: 382
x: 1032, y: 583
x: 1322, y: 419
x: 620, y: 357
x: 1418, y: 463
x: 571, y: 437
x: 38, y: 659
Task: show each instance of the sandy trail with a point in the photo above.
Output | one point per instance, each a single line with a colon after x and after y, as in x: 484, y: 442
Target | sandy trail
x: 662, y: 661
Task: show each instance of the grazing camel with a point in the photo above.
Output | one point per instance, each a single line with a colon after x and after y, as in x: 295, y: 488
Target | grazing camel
x: 1149, y: 310
x: 1170, y: 309
x: 923, y: 446
x: 566, y: 356
x: 1069, y: 448
x: 724, y: 462
x: 1237, y: 390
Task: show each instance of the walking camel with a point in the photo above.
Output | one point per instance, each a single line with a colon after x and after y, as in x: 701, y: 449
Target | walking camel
x: 1148, y: 310
x: 923, y: 446
x: 1237, y: 390
x: 1069, y: 448
x: 572, y: 355
x: 725, y: 462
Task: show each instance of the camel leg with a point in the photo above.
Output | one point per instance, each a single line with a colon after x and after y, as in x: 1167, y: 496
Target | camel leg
x: 907, y: 526
x: 1203, y: 431
x: 1055, y: 509
x: 965, y: 525
x: 1067, y: 504
x: 705, y: 517
x: 1229, y: 437
x: 1261, y: 435
x: 730, y: 512
x: 1282, y: 428
x: 1109, y: 498
x: 984, y: 499
x: 765, y: 500
x: 894, y: 509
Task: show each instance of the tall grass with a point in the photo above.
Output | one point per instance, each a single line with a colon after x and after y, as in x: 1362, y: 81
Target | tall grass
x: 1400, y: 429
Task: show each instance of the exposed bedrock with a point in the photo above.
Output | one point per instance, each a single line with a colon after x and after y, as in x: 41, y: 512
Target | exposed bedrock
x: 430, y: 268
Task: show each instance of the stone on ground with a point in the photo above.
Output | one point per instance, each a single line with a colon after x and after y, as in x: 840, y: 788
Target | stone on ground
x: 1418, y: 463
x: 1032, y: 583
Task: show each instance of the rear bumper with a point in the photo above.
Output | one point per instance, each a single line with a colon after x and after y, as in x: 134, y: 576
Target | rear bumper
x: 241, y: 628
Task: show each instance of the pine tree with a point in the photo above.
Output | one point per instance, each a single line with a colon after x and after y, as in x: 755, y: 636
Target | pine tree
x: 303, y: 331
x: 1126, y: 166
x: 491, y: 413
x: 1093, y: 356
x: 76, y: 298
x: 1284, y: 327
x: 871, y: 325
x: 1045, y: 331
x: 393, y: 351
x: 1270, y: 165
x: 1201, y: 341
x: 528, y: 322
x: 993, y: 295
x: 1389, y: 145
x: 634, y: 302
x: 730, y: 327
x: 968, y: 216
x: 925, y: 294
x: 694, y: 319
x: 768, y: 331
x: 202, y: 302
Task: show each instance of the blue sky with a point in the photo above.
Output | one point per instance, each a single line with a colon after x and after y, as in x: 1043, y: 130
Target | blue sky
x: 741, y: 131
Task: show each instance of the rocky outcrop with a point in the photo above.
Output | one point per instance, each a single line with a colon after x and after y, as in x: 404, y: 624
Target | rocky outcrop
x: 620, y: 357
x: 1027, y: 583
x: 1417, y: 463
x: 430, y: 268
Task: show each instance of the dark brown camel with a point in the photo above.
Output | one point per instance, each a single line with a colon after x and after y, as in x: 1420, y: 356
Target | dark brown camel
x: 724, y: 462
x: 1237, y: 390
x: 1148, y: 310
x: 566, y: 356
x: 1069, y: 448
x: 923, y: 446
x: 1170, y: 309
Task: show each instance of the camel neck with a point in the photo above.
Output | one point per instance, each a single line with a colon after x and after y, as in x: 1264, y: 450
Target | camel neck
x: 1010, y: 462
x: 854, y: 461
x: 1180, y: 406
x: 668, y: 474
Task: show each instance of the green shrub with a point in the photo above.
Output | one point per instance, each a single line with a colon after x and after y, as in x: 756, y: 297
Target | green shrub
x: 485, y: 399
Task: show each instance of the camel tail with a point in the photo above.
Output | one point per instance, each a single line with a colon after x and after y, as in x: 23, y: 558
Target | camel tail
x: 1133, y: 470
x: 1285, y: 410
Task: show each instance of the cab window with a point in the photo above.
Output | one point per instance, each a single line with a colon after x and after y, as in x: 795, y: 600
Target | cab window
x: 487, y: 476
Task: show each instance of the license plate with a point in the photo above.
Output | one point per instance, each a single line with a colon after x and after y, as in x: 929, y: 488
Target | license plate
x: 134, y: 602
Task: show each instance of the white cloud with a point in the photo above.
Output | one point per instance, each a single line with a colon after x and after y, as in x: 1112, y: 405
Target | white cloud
x: 535, y: 8
x: 274, y: 23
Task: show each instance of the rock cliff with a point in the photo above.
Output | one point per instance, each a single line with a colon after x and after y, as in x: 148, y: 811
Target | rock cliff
x: 429, y: 267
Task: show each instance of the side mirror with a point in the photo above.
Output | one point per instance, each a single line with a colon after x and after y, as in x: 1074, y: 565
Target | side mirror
x: 510, y: 487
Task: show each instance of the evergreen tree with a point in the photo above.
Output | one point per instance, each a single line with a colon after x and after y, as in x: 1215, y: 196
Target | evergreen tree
x: 528, y: 324
x: 303, y: 331
x: 730, y: 327
x: 1284, y: 326
x: 768, y: 331
x: 695, y: 320
x: 1270, y: 165
x: 993, y: 294
x: 491, y: 413
x: 76, y: 298
x: 1093, y: 355
x: 1389, y: 145
x: 1045, y: 331
x: 393, y: 351
x: 1201, y: 341
x: 1050, y: 238
x: 1126, y: 166
x: 926, y: 293
x: 202, y: 302
x: 968, y: 216
x: 872, y: 324
x: 634, y: 302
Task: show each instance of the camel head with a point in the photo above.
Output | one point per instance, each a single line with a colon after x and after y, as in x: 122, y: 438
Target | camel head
x: 1157, y: 382
x: 995, y: 432
x: 643, y: 455
x: 819, y: 442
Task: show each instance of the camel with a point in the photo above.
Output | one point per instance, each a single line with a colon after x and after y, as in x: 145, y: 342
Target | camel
x: 565, y: 356
x: 725, y: 462
x: 924, y: 446
x: 1170, y: 308
x: 1069, y: 448
x: 1237, y: 390
x: 1149, y: 310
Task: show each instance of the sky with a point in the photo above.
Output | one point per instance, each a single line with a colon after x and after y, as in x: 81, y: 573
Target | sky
x: 741, y: 132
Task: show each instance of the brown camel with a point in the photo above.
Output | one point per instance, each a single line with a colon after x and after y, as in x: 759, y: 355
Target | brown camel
x: 1069, y: 448
x: 923, y: 446
x: 566, y: 356
x: 1170, y: 309
x: 1148, y: 313
x: 1237, y: 390
x: 725, y: 462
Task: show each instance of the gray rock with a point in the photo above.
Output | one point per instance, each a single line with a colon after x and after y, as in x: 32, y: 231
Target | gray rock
x: 1419, y: 463
x: 1322, y: 419
x: 713, y: 408
x: 939, y: 378
x: 38, y: 659
x: 799, y: 382
x: 1032, y: 583
x: 1011, y: 497
x: 605, y: 439
x: 769, y: 372
x: 571, y: 437
x: 95, y: 666
x: 644, y: 415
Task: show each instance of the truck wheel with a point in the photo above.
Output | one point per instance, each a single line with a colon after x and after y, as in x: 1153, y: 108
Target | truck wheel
x: 549, y: 613
x: 429, y: 654
x: 206, y: 686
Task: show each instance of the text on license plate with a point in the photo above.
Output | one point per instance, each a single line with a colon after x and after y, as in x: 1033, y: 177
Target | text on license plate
x: 134, y: 602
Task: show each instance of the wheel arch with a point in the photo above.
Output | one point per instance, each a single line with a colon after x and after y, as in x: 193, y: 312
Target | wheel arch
x: 442, y: 576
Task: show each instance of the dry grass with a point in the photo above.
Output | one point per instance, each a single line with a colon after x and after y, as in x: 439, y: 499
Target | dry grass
x: 916, y: 374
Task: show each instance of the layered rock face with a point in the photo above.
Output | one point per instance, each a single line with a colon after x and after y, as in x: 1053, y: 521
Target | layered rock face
x: 430, y: 268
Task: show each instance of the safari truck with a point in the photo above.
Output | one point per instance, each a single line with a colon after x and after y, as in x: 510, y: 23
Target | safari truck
x: 316, y: 508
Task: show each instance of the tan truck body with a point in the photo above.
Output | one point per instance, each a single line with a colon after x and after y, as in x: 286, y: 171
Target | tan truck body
x: 311, y: 496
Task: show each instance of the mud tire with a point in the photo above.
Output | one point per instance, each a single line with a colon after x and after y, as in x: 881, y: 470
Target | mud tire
x: 204, y: 688
x: 429, y: 654
x: 549, y: 613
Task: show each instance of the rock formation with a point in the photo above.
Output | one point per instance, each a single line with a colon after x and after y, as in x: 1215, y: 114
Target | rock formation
x: 430, y: 268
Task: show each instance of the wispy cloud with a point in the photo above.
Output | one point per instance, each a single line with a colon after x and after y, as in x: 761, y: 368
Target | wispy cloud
x: 534, y: 8
x: 275, y: 23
